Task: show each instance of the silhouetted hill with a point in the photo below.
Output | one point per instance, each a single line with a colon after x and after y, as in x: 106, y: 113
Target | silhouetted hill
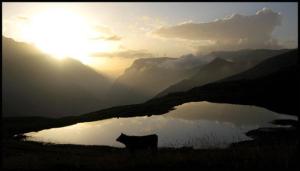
x: 268, y: 66
x: 248, y: 56
x: 35, y: 84
x: 223, y: 64
x: 215, y: 70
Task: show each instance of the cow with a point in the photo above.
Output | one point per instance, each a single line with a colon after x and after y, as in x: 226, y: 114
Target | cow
x: 134, y: 143
x: 19, y: 137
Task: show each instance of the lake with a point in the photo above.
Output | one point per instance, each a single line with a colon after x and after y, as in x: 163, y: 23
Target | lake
x: 195, y: 124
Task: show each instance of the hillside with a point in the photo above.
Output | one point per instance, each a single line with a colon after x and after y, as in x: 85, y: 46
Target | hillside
x: 223, y: 64
x: 148, y: 76
x: 35, y: 84
x: 268, y: 66
x: 215, y: 70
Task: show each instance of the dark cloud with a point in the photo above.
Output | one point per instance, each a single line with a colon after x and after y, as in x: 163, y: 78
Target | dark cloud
x: 124, y: 54
x: 233, y: 32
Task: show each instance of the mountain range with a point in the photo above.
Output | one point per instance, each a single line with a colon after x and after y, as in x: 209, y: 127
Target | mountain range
x: 277, y: 90
x: 148, y: 76
x: 223, y: 64
x: 36, y: 84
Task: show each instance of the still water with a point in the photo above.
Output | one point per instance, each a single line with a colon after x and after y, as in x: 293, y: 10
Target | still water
x: 196, y: 124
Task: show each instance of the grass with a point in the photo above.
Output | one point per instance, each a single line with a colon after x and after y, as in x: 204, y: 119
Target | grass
x: 248, y: 155
x: 19, y: 155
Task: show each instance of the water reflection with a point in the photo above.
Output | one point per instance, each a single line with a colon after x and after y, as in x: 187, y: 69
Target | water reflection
x: 197, y: 124
x: 239, y: 115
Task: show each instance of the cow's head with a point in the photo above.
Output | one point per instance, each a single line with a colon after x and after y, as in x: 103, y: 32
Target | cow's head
x: 121, y: 138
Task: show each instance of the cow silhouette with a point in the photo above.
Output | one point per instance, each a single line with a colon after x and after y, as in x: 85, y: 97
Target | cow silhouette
x: 134, y: 143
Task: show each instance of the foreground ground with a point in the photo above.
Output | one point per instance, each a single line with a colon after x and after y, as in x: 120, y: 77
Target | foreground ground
x: 270, y: 148
x: 20, y: 155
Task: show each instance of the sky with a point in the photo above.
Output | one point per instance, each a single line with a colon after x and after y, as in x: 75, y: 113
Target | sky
x: 110, y: 36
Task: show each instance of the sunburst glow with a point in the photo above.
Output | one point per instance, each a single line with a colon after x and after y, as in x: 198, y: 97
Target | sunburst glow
x: 62, y: 33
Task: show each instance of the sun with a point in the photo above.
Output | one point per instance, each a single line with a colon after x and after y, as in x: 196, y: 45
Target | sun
x: 63, y: 33
x: 60, y: 33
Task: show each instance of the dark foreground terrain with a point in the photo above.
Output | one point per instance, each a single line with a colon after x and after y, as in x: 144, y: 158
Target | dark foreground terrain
x: 20, y: 155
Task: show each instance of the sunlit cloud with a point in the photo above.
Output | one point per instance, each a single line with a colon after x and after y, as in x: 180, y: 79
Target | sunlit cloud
x: 105, y: 33
x: 153, y: 22
x: 124, y: 54
x: 23, y: 18
x: 232, y: 32
x: 146, y: 24
x: 108, y: 38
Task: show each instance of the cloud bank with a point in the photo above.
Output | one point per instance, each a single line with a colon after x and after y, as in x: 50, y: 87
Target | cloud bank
x: 105, y: 34
x: 229, y: 33
x: 108, y: 38
x: 124, y: 54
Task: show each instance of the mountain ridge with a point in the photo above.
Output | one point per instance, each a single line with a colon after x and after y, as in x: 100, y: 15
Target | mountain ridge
x: 44, y: 86
x: 222, y: 64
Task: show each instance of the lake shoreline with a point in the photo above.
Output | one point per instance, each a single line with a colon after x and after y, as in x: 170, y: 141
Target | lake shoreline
x: 245, y: 155
x: 20, y: 125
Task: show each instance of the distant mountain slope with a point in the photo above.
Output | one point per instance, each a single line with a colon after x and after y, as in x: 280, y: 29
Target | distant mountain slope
x: 273, y: 84
x: 277, y: 91
x: 248, y: 56
x: 37, y: 84
x: 147, y: 76
x: 215, y: 70
x: 268, y: 66
x: 223, y: 64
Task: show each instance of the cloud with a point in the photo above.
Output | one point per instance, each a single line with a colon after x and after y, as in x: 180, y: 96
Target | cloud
x: 184, y: 62
x: 102, y: 29
x: 105, y: 33
x: 124, y: 54
x: 152, y: 22
x: 108, y: 38
x: 113, y: 38
x: 23, y: 18
x: 233, y: 32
